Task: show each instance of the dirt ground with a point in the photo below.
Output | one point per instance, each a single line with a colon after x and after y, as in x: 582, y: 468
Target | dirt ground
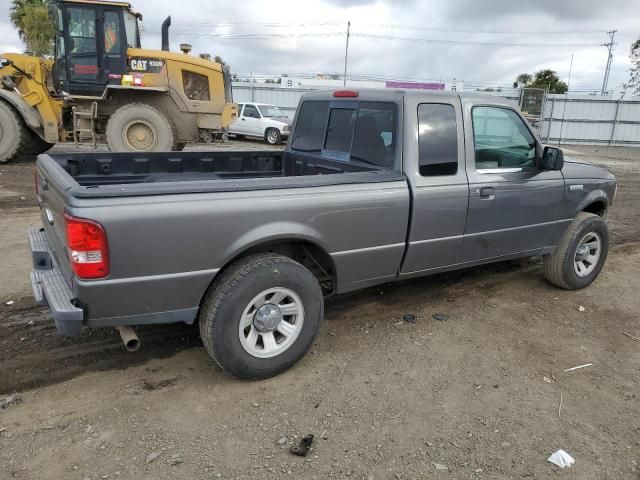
x: 481, y: 395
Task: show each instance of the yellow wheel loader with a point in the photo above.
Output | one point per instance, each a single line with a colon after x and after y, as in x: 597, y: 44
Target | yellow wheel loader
x: 102, y: 87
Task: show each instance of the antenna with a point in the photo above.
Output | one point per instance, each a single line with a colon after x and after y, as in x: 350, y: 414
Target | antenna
x: 346, y: 54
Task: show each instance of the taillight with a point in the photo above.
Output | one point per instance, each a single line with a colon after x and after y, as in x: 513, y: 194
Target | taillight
x: 88, y: 251
x: 345, y: 93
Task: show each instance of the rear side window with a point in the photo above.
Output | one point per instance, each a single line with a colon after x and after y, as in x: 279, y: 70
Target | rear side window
x: 437, y: 139
x: 310, y: 126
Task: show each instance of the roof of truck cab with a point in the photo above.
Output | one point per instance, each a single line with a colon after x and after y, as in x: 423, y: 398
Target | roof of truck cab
x: 391, y: 94
x: 99, y: 2
x: 257, y: 103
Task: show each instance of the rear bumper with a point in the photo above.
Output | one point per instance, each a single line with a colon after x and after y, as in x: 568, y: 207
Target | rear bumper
x: 50, y: 288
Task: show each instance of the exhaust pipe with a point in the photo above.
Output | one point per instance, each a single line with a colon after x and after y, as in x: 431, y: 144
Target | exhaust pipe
x: 165, y: 33
x: 129, y: 338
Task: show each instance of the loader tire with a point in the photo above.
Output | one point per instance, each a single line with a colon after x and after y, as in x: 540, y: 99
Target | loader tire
x: 139, y: 127
x: 36, y: 145
x: 13, y: 133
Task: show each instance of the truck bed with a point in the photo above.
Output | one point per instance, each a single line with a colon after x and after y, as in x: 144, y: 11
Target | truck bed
x: 123, y: 174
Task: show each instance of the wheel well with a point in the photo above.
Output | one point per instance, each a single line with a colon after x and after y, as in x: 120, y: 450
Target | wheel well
x: 316, y: 259
x: 599, y: 208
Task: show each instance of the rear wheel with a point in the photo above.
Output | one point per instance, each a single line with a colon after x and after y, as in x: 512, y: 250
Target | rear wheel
x: 581, y: 254
x: 272, y: 136
x: 261, y: 316
x: 13, y: 133
x: 139, y: 127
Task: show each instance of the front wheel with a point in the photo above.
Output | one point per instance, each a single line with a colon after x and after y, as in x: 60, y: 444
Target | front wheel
x: 139, y: 127
x: 261, y: 316
x: 272, y: 136
x: 581, y: 254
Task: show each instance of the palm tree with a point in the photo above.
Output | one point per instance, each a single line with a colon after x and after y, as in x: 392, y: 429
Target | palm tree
x: 35, y: 27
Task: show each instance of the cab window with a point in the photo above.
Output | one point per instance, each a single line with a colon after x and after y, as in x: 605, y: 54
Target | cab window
x: 131, y: 29
x: 501, y: 139
x: 250, y: 111
x: 362, y: 132
x: 112, y: 34
x: 82, y: 30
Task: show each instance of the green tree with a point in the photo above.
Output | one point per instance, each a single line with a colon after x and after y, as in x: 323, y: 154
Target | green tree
x: 546, y: 79
x: 35, y: 27
x: 634, y: 71
x: 523, y: 79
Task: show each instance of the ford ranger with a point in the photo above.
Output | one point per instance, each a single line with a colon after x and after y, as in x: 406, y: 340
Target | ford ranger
x: 374, y: 186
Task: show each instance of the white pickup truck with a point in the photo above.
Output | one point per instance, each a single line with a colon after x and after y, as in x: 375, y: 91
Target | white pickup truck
x: 261, y: 120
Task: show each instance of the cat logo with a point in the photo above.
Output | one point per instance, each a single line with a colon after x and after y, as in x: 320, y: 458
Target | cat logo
x: 139, y: 65
x: 148, y: 65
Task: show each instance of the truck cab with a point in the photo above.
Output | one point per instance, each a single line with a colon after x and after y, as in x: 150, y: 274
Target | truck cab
x: 91, y: 43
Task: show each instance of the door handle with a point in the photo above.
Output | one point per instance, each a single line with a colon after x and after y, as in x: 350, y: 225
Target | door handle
x: 242, y: 119
x: 487, y: 193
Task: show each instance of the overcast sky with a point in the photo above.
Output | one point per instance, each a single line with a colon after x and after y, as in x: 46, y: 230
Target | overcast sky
x: 292, y: 46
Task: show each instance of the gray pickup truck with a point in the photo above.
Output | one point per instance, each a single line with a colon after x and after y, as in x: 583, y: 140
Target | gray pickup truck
x: 374, y: 186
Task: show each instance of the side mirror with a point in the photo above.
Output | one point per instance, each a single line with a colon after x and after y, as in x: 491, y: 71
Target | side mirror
x: 552, y: 159
x: 5, y: 62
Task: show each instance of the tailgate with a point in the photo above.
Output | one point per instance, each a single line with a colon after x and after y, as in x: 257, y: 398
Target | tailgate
x: 52, y: 183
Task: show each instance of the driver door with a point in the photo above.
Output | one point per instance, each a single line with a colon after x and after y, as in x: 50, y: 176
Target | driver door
x: 513, y: 205
x: 251, y: 120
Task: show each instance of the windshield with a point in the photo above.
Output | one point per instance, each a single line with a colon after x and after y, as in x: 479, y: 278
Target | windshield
x: 271, y: 111
x: 131, y: 27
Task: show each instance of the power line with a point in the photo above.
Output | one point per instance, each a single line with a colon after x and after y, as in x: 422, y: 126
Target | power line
x: 475, y: 30
x: 247, y: 24
x: 469, y: 42
x: 251, y: 36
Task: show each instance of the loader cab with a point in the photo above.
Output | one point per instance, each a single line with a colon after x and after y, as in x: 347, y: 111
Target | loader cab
x: 91, y: 44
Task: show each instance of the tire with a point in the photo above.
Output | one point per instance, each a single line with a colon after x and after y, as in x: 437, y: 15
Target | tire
x: 272, y: 136
x: 568, y: 266
x: 14, y: 134
x: 232, y: 298
x: 139, y: 127
x: 36, y: 145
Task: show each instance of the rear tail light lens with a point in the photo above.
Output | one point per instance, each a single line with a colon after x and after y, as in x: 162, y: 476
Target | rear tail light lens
x: 345, y: 93
x: 88, y: 251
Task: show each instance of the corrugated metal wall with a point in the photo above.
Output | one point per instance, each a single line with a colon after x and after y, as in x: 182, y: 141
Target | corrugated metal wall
x: 591, y: 120
x: 573, y: 119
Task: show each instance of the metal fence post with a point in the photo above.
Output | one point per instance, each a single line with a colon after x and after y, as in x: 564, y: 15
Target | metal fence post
x: 615, y: 122
x: 553, y: 104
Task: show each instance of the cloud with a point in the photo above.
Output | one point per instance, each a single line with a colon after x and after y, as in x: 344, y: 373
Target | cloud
x: 284, y: 44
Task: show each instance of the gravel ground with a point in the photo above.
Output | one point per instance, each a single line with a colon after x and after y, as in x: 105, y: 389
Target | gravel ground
x: 481, y: 395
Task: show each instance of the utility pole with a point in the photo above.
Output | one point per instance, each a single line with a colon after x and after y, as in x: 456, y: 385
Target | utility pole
x: 346, y: 54
x: 610, y: 45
